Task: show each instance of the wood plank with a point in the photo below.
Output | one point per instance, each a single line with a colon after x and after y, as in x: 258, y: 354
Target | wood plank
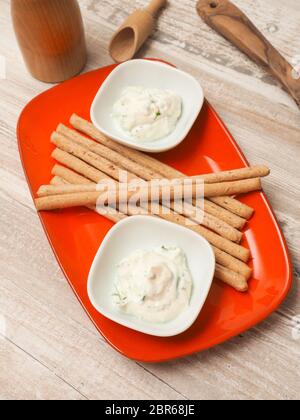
x: 24, y: 378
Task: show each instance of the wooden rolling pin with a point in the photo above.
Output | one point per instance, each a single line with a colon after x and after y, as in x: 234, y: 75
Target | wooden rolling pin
x: 234, y: 25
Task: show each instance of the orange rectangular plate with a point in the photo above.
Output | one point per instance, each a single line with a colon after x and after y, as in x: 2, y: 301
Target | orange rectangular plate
x: 75, y: 235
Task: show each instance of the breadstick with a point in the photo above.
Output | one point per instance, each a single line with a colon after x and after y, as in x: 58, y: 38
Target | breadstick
x: 80, y: 152
x: 123, y: 192
x: 222, y: 257
x: 86, y: 127
x: 145, y: 160
x: 234, y: 280
x: 225, y: 215
x: 232, y: 187
x: 237, y: 281
x: 69, y: 176
x: 111, y: 169
x: 106, y: 152
x: 57, y: 180
x: 64, y: 201
x: 233, y: 263
x: 147, y: 174
x: 78, y: 165
x: 96, y: 176
x: 235, y: 206
x: 239, y: 252
x: 233, y: 249
x: 112, y: 155
x: 46, y: 190
x: 220, y: 242
x: 55, y: 202
x: 144, y: 189
x: 209, y: 189
x: 236, y: 174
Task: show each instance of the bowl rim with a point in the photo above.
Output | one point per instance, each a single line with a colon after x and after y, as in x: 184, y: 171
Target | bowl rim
x: 155, y: 146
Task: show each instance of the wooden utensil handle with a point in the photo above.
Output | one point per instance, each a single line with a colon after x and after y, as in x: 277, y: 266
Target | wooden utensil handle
x: 234, y: 25
x: 155, y: 6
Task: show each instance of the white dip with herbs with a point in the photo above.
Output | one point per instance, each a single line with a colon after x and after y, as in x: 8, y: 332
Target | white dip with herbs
x: 147, y: 114
x: 155, y: 285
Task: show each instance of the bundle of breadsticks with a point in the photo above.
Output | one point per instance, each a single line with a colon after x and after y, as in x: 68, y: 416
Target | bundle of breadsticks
x: 85, y: 157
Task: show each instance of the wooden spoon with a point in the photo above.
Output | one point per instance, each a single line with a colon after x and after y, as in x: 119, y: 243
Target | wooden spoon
x: 133, y: 33
x: 234, y: 25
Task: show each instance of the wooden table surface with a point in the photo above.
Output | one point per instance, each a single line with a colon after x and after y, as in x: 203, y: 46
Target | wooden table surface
x: 49, y: 349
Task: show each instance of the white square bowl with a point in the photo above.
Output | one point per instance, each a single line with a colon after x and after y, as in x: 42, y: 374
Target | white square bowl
x: 147, y: 233
x: 150, y: 74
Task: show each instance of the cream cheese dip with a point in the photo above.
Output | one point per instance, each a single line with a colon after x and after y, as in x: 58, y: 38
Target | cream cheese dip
x: 147, y: 114
x: 155, y: 286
